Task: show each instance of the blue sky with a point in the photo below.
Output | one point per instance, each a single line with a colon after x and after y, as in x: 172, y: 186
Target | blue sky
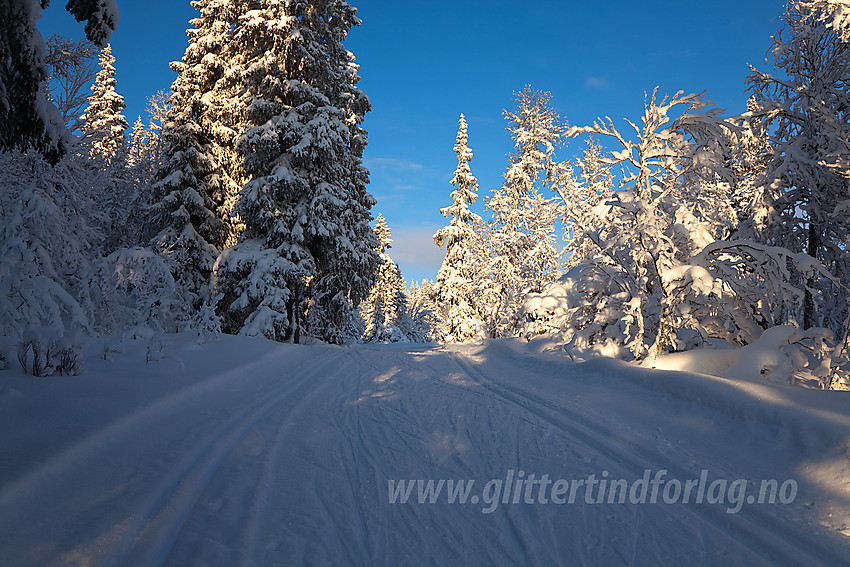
x: 424, y: 63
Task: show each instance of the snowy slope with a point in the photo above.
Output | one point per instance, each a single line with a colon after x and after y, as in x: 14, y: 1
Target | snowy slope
x: 246, y: 452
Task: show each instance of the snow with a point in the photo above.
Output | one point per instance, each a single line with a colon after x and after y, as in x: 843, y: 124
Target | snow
x: 249, y: 452
x: 776, y: 356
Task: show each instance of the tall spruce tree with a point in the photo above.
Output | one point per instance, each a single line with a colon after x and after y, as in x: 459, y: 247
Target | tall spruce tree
x: 307, y: 256
x: 456, y: 285
x: 104, y: 126
x: 138, y: 143
x: 191, y: 215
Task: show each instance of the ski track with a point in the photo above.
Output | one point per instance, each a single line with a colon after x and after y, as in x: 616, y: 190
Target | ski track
x: 285, y: 461
x: 778, y: 542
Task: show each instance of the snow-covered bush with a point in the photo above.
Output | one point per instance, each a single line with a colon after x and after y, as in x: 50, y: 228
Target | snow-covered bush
x: 46, y: 243
x: 55, y: 224
x: 729, y: 293
x: 7, y: 352
x: 422, y: 306
x: 207, y: 324
x: 590, y: 318
x: 587, y: 311
x: 137, y: 290
x: 783, y: 354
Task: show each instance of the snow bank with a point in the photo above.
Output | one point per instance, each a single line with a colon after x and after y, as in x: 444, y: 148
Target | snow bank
x: 782, y: 355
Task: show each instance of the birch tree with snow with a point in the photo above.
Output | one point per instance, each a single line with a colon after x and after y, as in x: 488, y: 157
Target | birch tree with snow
x: 523, y: 222
x: 579, y: 199
x: 72, y: 66
x: 671, y: 190
x: 834, y: 13
x: 662, y: 277
x: 803, y: 202
x: 424, y: 311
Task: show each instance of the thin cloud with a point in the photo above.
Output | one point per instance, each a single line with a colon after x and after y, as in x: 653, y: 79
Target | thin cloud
x: 414, y: 250
x: 596, y: 83
x: 394, y: 175
x: 393, y: 164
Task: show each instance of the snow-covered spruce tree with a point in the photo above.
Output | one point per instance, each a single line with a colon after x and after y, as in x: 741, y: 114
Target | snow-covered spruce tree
x: 140, y: 139
x: 523, y: 223
x: 343, y: 242
x: 190, y: 218
x: 27, y: 118
x: 142, y: 162
x: 101, y: 17
x: 308, y: 254
x: 372, y: 308
x: 145, y: 155
x: 803, y: 203
x: 456, y: 286
x: 104, y: 125
x: 385, y: 310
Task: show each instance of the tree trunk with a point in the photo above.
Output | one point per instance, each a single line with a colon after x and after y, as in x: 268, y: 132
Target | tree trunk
x: 809, y: 300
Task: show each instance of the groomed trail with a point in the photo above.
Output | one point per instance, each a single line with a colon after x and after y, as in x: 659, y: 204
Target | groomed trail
x: 245, y: 452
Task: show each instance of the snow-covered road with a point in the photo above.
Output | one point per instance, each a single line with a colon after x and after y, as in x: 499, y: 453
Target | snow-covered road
x: 251, y: 453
